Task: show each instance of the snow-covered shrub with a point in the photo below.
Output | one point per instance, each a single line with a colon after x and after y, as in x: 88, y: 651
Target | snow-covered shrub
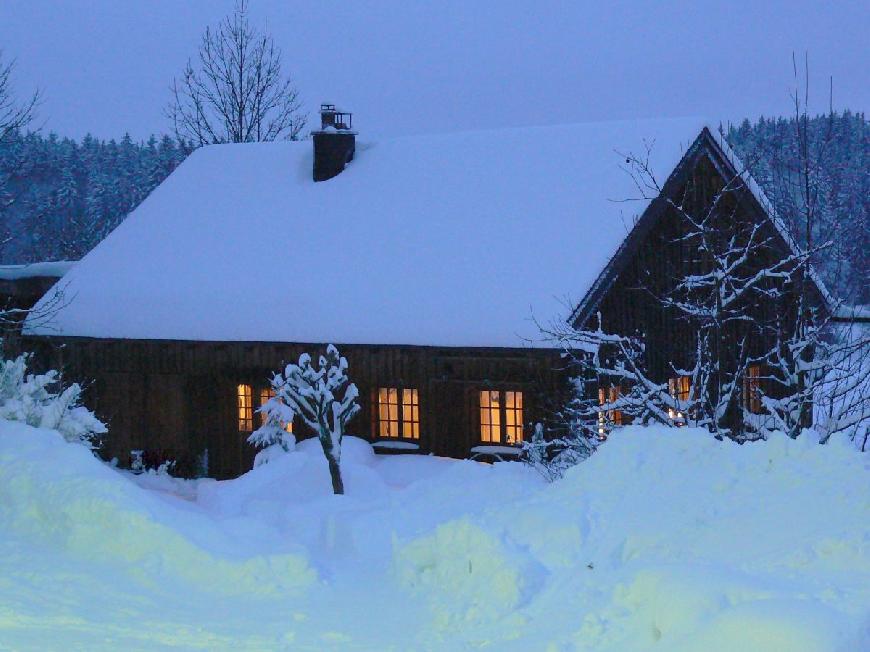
x: 272, y: 437
x: 322, y: 396
x: 552, y: 457
x: 42, y: 401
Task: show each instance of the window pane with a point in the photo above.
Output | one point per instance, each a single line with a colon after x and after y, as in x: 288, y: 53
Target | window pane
x: 410, y: 414
x: 245, y: 404
x: 388, y: 412
x: 513, y: 417
x: 490, y: 417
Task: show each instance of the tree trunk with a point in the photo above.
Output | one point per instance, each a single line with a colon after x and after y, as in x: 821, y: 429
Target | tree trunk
x: 335, y: 474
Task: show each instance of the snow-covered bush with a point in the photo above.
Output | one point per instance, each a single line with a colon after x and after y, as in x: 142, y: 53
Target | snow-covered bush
x: 551, y: 457
x: 42, y: 401
x: 322, y: 396
x: 272, y: 437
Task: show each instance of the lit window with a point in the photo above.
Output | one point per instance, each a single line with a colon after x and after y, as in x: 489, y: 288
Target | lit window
x: 410, y: 414
x: 752, y: 389
x: 680, y: 389
x: 608, y: 417
x: 513, y: 412
x: 265, y: 394
x: 501, y: 417
x: 398, y: 418
x: 246, y: 408
x: 388, y: 412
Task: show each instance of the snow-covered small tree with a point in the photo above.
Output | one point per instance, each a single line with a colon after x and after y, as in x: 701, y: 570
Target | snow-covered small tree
x: 553, y: 456
x: 323, y: 397
x: 272, y: 437
x: 41, y: 400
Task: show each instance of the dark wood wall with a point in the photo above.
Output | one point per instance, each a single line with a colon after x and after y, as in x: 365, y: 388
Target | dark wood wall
x: 179, y: 397
x: 649, y: 271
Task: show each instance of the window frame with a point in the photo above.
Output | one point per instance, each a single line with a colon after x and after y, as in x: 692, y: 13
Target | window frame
x: 752, y: 388
x: 681, y: 390
x: 504, y: 424
x: 407, y: 413
x: 608, y: 418
x: 244, y: 407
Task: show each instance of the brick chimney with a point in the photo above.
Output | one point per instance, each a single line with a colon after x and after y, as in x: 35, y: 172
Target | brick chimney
x: 334, y: 142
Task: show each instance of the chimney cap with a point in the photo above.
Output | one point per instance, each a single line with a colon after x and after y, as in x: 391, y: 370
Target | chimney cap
x: 333, y: 119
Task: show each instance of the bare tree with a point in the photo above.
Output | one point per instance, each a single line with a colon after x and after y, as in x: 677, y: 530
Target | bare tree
x: 14, y: 114
x: 236, y: 93
x: 819, y: 368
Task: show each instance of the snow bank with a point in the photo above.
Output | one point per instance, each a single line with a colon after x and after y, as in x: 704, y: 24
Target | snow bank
x: 468, y: 576
x: 61, y: 498
x: 664, y: 540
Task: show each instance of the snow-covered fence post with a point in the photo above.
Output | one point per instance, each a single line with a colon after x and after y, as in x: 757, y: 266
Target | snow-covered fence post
x: 323, y: 397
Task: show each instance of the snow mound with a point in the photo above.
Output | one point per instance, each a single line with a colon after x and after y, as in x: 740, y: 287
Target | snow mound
x: 61, y: 496
x: 663, y: 540
x: 468, y: 575
x: 685, y: 543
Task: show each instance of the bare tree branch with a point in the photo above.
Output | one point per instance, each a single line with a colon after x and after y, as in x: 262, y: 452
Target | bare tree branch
x: 236, y: 92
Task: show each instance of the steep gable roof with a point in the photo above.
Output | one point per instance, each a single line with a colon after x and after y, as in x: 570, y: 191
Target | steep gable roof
x: 454, y: 240
x: 729, y: 166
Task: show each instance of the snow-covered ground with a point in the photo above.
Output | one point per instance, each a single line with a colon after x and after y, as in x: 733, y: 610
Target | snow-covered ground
x: 664, y: 540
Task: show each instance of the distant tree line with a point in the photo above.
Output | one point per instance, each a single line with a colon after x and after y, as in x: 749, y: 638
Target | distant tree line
x: 839, y: 144
x: 59, y: 198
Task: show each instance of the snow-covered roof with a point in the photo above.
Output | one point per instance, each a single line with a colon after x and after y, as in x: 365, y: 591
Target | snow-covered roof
x: 35, y: 270
x: 455, y: 240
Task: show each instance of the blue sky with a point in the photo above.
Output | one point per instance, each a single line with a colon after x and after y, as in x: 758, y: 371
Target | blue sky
x: 405, y: 67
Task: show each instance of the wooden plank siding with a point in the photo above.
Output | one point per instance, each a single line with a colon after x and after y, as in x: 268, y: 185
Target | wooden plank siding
x: 179, y: 397
x: 630, y: 305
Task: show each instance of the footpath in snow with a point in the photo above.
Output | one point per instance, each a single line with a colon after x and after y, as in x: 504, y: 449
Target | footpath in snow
x: 664, y: 540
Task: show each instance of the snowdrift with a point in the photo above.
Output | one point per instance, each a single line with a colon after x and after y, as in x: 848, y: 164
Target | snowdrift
x: 60, y: 498
x: 663, y: 540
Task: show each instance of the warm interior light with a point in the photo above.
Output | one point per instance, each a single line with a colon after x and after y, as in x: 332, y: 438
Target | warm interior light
x: 245, y: 407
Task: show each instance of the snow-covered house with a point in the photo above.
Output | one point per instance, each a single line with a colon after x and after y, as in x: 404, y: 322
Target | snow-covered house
x: 21, y: 286
x: 430, y: 261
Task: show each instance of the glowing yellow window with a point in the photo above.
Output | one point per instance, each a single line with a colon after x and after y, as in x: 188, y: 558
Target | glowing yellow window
x: 513, y: 417
x: 388, y: 412
x: 410, y: 414
x: 680, y: 389
x: 609, y: 395
x: 490, y: 416
x: 265, y: 394
x: 245, y: 407
x: 398, y: 413
x: 752, y: 389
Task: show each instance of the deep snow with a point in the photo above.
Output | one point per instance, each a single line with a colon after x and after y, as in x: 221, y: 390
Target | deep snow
x: 458, y: 239
x: 663, y: 540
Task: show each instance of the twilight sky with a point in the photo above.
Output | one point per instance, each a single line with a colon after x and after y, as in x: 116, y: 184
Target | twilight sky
x: 408, y: 67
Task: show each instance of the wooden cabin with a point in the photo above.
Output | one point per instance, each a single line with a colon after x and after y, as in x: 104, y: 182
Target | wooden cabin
x: 431, y: 262
x: 21, y: 286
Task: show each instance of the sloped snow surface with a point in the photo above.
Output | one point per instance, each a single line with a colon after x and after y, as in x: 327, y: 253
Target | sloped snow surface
x: 456, y: 240
x: 664, y: 540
